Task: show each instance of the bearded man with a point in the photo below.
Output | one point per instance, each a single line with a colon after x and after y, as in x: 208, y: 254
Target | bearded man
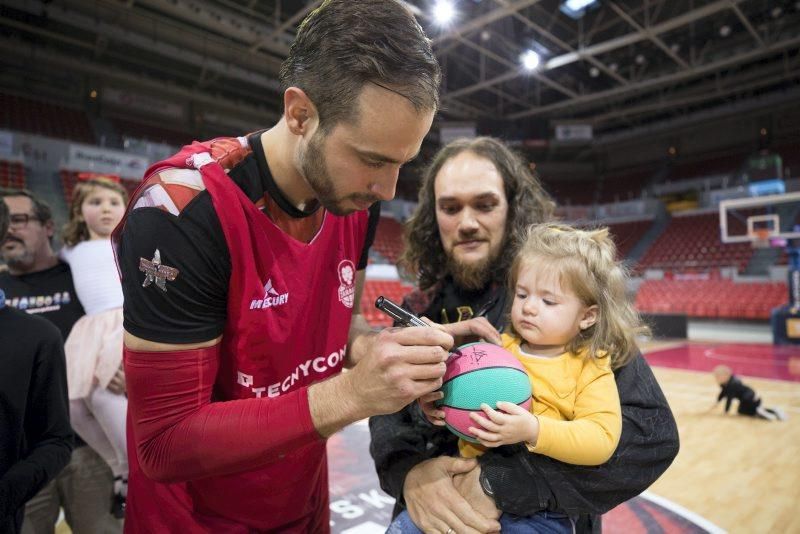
x: 476, y: 200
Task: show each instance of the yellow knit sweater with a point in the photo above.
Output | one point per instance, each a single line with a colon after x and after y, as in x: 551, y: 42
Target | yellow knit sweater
x: 576, y: 402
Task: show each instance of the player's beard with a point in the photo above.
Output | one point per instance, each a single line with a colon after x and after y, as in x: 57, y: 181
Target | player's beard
x: 472, y: 276
x: 315, y: 170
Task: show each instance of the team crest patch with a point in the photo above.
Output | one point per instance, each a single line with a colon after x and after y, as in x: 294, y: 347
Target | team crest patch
x: 347, y: 287
x: 156, y: 272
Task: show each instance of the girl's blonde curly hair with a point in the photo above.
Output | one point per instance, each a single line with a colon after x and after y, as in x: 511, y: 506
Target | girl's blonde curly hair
x: 585, y: 262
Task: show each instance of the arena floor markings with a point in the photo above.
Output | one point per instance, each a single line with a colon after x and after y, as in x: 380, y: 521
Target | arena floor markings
x: 746, y: 359
x: 358, y: 506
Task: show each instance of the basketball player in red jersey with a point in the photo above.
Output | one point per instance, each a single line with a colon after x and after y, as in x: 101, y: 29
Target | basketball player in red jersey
x: 242, y: 262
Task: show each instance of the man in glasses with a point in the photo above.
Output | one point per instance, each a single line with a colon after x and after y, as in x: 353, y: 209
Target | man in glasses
x: 21, y: 248
x: 39, y: 283
x: 36, y: 281
x: 36, y: 439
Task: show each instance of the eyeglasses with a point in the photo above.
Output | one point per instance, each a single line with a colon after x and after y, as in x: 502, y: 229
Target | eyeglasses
x: 20, y: 220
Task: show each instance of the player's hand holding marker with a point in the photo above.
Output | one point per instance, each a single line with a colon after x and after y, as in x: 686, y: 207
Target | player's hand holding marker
x: 398, y: 366
x: 462, y: 332
x: 403, y: 365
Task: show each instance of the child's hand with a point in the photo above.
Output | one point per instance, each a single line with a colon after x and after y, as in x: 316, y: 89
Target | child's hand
x: 117, y: 384
x: 427, y: 402
x: 470, y: 330
x: 511, y: 425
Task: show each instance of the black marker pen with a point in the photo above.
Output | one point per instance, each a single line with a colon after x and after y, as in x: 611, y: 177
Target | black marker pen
x: 397, y: 313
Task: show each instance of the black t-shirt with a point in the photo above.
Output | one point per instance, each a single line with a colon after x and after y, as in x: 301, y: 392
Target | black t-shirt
x: 49, y: 294
x: 186, y: 231
x: 456, y: 304
x: 448, y: 303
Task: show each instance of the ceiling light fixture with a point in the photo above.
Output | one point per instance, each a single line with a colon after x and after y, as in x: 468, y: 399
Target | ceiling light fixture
x: 530, y: 60
x: 444, y: 12
x: 576, y: 8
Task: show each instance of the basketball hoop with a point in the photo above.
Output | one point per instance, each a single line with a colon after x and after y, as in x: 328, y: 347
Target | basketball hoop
x: 760, y: 237
x: 740, y: 219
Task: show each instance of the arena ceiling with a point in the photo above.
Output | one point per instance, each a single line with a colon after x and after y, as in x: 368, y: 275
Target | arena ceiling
x: 625, y: 63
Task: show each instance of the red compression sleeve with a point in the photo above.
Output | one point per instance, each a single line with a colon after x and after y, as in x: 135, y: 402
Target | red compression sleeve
x: 181, y: 435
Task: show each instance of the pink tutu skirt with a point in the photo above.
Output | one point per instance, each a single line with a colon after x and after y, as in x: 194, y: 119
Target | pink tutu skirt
x: 94, y: 351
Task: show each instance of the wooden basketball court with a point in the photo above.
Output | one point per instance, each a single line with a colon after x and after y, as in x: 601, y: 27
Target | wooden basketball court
x: 740, y: 473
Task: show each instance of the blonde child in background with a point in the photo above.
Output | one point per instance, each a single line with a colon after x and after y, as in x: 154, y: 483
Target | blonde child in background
x: 93, y: 349
x: 571, y: 325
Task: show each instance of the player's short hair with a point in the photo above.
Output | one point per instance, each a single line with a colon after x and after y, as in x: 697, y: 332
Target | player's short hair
x: 344, y: 44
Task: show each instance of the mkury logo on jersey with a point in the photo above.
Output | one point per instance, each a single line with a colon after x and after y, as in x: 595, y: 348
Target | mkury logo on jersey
x: 271, y: 298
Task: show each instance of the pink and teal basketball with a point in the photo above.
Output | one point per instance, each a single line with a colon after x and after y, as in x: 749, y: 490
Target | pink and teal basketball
x: 481, y: 373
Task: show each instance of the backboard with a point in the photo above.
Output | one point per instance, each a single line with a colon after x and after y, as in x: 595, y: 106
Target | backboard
x: 765, y: 220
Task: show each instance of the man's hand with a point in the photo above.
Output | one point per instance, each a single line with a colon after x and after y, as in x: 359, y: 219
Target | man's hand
x: 117, y: 383
x: 434, y: 503
x: 470, y: 330
x: 404, y: 364
x: 469, y: 486
x: 514, y: 424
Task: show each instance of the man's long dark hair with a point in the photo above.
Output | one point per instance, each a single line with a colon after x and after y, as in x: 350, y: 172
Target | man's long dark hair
x: 528, y: 203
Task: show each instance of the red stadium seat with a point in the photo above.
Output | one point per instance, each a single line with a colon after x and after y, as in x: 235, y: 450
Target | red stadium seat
x: 693, y: 241
x: 712, y: 298
x: 393, y: 289
x: 389, y: 239
x: 12, y: 175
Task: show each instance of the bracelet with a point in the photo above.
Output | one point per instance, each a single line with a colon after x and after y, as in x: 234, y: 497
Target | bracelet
x: 485, y: 485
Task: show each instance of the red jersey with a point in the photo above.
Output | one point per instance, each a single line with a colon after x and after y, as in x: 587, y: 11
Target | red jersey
x: 289, y: 308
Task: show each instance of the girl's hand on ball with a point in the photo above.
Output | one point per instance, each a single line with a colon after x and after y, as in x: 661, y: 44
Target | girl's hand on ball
x: 506, y: 426
x: 433, y: 414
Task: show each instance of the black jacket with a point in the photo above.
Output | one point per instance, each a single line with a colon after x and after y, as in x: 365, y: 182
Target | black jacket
x: 524, y: 483
x: 35, y: 435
